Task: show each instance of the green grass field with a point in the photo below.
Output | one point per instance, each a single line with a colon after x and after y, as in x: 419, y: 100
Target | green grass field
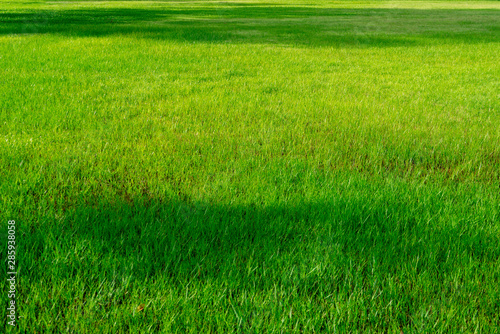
x: 272, y: 166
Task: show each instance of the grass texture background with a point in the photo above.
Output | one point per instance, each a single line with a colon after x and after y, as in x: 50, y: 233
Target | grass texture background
x: 252, y: 166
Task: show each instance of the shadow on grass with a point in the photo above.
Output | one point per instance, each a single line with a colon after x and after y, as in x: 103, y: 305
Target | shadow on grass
x: 264, y: 23
x: 203, y: 259
x: 252, y: 247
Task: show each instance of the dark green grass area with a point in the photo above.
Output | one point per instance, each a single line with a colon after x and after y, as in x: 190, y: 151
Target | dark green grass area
x: 365, y: 258
x: 251, y: 167
x: 264, y: 23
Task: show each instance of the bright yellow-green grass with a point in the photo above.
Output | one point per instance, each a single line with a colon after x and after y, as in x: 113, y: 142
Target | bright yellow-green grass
x: 251, y: 166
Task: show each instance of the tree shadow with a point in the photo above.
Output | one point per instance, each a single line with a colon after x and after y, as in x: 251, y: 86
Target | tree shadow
x: 203, y: 241
x: 264, y: 24
x: 351, y: 250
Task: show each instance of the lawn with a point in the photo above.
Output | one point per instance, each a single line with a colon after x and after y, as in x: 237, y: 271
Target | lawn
x: 273, y: 166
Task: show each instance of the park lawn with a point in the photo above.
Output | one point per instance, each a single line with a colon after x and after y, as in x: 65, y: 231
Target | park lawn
x: 251, y: 166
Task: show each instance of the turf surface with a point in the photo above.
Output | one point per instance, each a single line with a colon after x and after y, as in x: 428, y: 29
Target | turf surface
x: 251, y: 167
